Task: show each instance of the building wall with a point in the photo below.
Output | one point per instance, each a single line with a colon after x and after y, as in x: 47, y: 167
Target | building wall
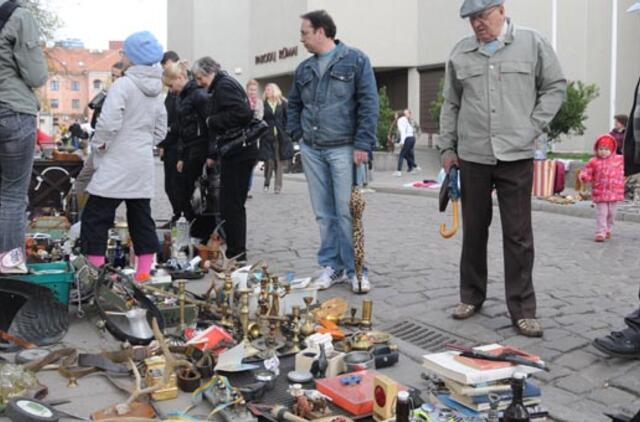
x: 402, y: 35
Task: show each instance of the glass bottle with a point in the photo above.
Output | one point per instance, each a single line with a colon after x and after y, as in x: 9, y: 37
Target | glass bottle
x: 402, y: 407
x: 516, y: 412
x: 182, y: 232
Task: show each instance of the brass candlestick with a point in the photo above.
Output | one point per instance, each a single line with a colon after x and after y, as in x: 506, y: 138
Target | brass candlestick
x: 263, y: 298
x: 181, y: 301
x: 307, y: 328
x: 274, y: 308
x: 367, y: 312
x: 244, y: 314
x: 227, y: 290
x: 295, y: 314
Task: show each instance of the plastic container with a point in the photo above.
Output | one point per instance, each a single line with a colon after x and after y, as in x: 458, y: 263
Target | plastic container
x: 57, y: 276
x: 356, y: 399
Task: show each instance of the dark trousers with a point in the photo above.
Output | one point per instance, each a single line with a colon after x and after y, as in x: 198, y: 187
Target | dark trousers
x: 233, y: 195
x: 513, y: 182
x: 172, y: 179
x: 194, y: 159
x: 406, y: 153
x: 98, y: 217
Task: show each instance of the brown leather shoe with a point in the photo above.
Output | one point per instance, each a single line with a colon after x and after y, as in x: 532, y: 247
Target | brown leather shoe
x: 529, y: 327
x: 464, y: 311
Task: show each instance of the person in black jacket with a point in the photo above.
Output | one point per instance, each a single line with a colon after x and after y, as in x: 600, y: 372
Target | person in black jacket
x: 276, y: 148
x: 191, y: 130
x: 169, y: 146
x: 229, y: 112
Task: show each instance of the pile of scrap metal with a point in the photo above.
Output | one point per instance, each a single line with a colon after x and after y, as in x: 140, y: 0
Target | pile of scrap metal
x: 173, y: 339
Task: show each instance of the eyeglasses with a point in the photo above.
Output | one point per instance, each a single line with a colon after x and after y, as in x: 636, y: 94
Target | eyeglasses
x: 483, y: 16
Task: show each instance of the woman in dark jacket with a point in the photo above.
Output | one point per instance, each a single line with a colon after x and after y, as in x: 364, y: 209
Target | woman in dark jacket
x: 228, y: 112
x: 276, y: 148
x: 192, y: 145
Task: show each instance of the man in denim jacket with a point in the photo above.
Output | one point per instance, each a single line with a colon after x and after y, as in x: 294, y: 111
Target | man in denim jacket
x: 333, y: 111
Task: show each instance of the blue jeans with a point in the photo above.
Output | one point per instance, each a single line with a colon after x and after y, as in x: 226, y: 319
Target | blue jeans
x: 17, y: 143
x: 329, y: 174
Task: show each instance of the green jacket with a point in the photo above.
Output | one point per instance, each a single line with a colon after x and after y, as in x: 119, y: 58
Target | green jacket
x: 22, y: 64
x: 495, y: 106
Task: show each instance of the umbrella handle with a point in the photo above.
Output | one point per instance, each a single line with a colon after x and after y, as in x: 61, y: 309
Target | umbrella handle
x: 446, y: 234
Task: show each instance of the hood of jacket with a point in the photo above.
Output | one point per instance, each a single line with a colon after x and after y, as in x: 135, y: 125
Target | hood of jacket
x: 147, y: 78
x: 606, y: 141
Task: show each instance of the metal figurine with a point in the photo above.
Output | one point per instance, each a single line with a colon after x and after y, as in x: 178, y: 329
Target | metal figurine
x: 263, y: 298
x: 227, y: 300
x: 181, y: 301
x: 367, y: 313
x: 307, y: 328
x: 274, y: 308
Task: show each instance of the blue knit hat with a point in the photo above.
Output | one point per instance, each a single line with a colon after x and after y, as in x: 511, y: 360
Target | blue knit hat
x: 143, y: 48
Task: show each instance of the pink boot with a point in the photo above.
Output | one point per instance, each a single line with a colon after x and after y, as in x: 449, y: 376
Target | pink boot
x: 96, y: 260
x: 143, y: 270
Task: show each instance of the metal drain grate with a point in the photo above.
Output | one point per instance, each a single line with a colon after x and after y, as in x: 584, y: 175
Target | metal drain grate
x: 427, y: 338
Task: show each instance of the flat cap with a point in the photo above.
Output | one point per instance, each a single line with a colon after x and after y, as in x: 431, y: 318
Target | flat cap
x: 470, y: 7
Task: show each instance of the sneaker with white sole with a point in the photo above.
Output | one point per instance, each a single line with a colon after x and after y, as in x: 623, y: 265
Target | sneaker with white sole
x: 360, y: 286
x: 13, y: 262
x: 327, y: 277
x: 397, y: 173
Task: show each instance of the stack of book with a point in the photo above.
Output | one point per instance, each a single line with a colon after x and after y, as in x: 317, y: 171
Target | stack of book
x: 470, y: 380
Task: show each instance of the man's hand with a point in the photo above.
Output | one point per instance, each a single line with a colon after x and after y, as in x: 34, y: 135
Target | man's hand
x: 161, y: 153
x: 360, y: 157
x: 448, y: 159
x: 180, y: 166
x: 211, y: 162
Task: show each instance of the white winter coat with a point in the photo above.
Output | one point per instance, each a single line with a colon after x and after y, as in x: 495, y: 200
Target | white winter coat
x: 132, y: 121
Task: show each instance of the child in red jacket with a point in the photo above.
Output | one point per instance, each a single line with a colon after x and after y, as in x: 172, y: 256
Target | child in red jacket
x: 605, y: 171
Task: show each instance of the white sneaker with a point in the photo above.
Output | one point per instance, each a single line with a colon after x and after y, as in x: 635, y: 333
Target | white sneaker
x: 13, y: 262
x: 417, y: 168
x: 327, y: 277
x: 397, y: 173
x: 362, y: 286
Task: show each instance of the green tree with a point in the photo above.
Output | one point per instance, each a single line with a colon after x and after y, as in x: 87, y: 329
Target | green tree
x: 385, y: 120
x: 436, y: 105
x: 572, y: 115
x: 48, y: 20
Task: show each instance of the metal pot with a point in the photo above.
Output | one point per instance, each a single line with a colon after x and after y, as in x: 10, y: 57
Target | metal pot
x: 358, y: 361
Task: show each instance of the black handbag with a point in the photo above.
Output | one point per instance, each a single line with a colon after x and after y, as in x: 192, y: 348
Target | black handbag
x: 236, y: 140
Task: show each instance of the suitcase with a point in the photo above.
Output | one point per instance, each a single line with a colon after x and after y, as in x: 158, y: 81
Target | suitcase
x: 544, y: 176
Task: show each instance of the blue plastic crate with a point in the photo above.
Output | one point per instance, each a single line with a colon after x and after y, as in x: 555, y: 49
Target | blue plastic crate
x: 57, y: 276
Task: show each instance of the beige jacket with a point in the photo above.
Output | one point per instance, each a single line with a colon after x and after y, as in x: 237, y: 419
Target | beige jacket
x: 495, y: 106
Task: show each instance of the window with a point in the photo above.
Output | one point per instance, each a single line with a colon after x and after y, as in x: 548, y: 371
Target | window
x: 97, y: 84
x: 75, y: 104
x: 54, y: 85
x: 75, y: 86
x: 54, y: 103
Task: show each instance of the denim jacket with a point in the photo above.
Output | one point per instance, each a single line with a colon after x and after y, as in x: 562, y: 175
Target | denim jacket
x: 341, y: 108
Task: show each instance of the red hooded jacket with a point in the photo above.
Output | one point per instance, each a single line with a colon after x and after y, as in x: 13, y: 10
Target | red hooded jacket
x: 605, y: 174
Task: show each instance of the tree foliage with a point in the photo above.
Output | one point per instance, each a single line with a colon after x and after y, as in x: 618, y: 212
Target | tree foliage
x: 572, y: 115
x: 385, y: 120
x: 436, y: 105
x: 47, y: 19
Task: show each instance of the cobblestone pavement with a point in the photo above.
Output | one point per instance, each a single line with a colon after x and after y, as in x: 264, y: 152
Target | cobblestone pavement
x: 583, y: 288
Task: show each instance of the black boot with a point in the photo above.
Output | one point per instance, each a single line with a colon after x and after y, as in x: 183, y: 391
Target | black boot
x: 619, y: 344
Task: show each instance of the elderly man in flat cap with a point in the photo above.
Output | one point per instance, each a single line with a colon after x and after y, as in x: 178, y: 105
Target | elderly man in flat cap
x: 503, y: 86
x: 626, y: 343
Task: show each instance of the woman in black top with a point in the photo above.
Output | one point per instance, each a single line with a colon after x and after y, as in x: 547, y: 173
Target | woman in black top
x: 191, y: 130
x: 228, y: 111
x: 276, y: 148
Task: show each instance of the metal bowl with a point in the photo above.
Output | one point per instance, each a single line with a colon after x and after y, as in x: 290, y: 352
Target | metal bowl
x: 358, y: 361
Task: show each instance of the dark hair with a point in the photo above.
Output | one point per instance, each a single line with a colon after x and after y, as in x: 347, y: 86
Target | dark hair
x: 321, y: 19
x: 622, y: 118
x: 118, y: 65
x: 205, y: 66
x: 169, y: 55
